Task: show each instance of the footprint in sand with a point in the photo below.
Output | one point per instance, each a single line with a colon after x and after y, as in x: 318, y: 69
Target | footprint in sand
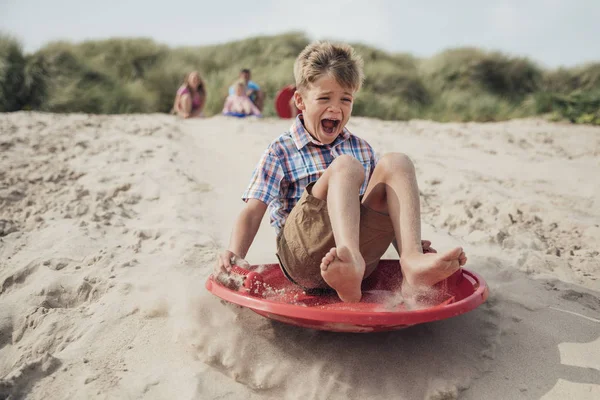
x: 18, y: 277
x: 7, y: 227
x: 584, y: 299
x: 58, y: 264
x: 18, y: 383
x: 60, y: 296
x: 27, y: 323
x: 142, y: 235
x: 6, y: 328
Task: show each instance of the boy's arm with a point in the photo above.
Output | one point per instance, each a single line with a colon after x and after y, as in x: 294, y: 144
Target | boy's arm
x: 265, y: 186
x: 246, y: 227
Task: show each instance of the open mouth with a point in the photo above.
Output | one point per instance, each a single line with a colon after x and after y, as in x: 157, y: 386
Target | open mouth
x: 329, y: 125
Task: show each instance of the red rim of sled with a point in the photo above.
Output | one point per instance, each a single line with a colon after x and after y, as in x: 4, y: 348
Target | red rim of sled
x: 282, y: 101
x: 271, y: 295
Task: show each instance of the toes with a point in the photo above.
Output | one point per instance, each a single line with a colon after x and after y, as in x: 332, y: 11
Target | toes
x: 333, y: 252
x: 462, y: 258
x: 324, y: 264
x: 327, y: 259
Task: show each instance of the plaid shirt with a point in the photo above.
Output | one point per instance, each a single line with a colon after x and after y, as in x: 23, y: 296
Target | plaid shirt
x: 296, y: 159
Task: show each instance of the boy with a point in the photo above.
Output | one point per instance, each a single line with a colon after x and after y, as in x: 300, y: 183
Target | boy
x: 336, y: 210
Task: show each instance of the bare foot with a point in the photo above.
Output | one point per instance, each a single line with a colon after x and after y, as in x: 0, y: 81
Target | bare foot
x: 344, y: 272
x: 428, y: 269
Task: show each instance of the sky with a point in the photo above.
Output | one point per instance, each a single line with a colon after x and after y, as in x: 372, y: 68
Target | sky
x: 551, y: 32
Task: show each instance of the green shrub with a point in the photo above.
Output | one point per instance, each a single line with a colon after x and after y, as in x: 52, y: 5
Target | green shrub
x: 375, y: 105
x: 125, y: 59
x: 123, y: 75
x: 472, y: 69
x: 456, y: 105
x: 578, y: 107
x: 394, y: 81
x: 12, y: 74
x: 35, y: 85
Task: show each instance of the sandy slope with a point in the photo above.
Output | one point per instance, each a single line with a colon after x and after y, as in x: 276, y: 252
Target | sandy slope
x: 110, y: 225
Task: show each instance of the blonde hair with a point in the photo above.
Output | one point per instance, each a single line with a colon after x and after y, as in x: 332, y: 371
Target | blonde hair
x: 201, y: 85
x: 322, y: 58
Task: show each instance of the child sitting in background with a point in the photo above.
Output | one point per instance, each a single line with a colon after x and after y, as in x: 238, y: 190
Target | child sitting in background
x: 191, y: 97
x: 239, y: 104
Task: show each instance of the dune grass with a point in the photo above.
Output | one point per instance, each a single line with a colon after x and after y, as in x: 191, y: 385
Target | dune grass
x: 138, y: 75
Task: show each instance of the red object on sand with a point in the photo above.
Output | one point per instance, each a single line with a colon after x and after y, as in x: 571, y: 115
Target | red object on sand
x: 282, y: 101
x: 271, y: 295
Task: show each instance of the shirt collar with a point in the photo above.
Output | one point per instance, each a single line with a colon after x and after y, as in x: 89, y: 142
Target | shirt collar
x: 301, y: 136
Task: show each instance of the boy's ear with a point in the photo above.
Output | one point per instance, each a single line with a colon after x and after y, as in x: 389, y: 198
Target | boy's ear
x: 299, y: 101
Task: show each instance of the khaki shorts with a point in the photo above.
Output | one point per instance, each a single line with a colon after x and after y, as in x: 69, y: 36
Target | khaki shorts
x: 307, y: 236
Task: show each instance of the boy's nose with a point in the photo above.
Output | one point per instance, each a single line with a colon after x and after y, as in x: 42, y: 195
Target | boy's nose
x: 334, y: 108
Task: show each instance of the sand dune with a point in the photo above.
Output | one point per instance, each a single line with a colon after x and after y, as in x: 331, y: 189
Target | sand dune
x: 109, y: 226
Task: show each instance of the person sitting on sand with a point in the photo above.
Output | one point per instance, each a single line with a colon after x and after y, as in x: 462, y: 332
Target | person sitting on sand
x: 239, y: 104
x: 335, y: 207
x: 252, y: 89
x: 191, y: 97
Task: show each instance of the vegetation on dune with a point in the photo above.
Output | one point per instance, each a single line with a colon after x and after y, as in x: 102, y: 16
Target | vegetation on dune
x: 123, y: 75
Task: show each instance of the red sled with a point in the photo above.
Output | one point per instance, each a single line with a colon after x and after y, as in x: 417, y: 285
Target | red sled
x: 266, y: 291
x: 282, y: 101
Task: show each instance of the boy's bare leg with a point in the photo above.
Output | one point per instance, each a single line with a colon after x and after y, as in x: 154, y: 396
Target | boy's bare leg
x: 393, y: 190
x: 343, y: 267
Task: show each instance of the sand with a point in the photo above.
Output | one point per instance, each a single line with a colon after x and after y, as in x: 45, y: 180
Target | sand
x: 109, y: 226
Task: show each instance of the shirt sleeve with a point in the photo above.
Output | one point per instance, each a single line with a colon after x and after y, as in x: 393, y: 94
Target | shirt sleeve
x: 253, y: 86
x: 374, y: 159
x: 265, y: 184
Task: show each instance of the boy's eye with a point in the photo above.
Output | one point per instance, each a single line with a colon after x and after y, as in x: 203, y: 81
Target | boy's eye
x: 323, y: 98
x: 346, y: 99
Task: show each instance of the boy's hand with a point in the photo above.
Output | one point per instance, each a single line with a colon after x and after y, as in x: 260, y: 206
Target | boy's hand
x: 427, y: 247
x: 226, y: 259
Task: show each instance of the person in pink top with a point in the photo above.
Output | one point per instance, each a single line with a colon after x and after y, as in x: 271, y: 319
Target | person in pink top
x: 191, y: 97
x: 239, y: 104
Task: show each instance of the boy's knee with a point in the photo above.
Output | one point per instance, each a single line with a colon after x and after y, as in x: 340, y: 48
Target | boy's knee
x: 348, y: 165
x: 396, y: 162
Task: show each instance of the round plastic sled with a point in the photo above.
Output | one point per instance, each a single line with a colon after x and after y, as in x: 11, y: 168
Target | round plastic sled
x: 266, y: 291
x: 282, y: 101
